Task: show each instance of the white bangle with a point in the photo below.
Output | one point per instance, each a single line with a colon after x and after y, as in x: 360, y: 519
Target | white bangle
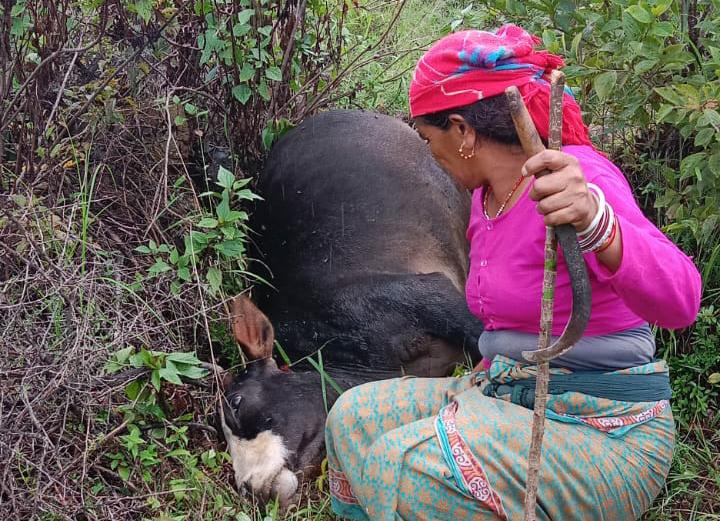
x: 600, y: 199
x: 606, y: 234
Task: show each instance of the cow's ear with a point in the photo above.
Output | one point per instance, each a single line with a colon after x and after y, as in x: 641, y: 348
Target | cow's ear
x: 251, y: 328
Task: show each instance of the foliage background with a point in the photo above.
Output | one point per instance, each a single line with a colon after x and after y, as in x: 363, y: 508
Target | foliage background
x: 130, y: 132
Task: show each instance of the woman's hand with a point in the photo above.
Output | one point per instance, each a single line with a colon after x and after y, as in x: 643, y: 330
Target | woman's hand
x: 564, y: 198
x: 562, y: 195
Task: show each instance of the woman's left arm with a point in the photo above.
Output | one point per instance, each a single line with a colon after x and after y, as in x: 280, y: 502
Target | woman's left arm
x: 654, y: 277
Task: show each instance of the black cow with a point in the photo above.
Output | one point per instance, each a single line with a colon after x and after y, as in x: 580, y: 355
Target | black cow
x: 364, y: 238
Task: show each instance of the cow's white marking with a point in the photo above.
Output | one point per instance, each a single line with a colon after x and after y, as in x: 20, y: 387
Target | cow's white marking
x: 259, y: 463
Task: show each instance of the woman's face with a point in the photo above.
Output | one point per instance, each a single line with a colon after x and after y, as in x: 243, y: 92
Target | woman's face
x: 445, y: 147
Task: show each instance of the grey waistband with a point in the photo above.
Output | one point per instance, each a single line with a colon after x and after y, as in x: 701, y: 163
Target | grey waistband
x: 628, y: 348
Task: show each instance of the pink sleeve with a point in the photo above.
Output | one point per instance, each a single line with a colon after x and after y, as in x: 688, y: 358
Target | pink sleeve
x: 656, y: 280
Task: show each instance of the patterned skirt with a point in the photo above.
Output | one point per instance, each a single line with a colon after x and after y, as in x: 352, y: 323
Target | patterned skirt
x: 426, y: 448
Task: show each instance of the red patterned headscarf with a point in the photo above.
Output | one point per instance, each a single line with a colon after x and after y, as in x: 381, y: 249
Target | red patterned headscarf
x: 468, y: 66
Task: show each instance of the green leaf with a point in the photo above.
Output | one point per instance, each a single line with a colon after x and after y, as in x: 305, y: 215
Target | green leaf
x: 676, y: 54
x: 661, y: 7
x: 123, y: 355
x: 640, y: 14
x: 273, y: 73
x: 203, y: 7
x: 241, y: 182
x: 264, y: 90
x: 704, y: 136
x: 183, y: 357
x: 123, y: 472
x: 713, y: 118
x: 708, y: 226
x: 662, y: 29
x: 690, y: 165
x: 159, y: 267
x: 663, y: 112
x: 268, y: 136
x: 190, y: 109
x: 670, y: 95
x: 604, y: 84
x: 688, y: 93
x: 248, y: 195
x: 223, y: 209
x: 233, y: 216
x: 240, y: 30
x: 191, y: 371
x: 241, y: 93
x: 184, y: 274
x: 132, y: 390
x: 247, y: 72
x: 714, y: 163
x: 225, y: 177
x: 208, y: 222
x: 645, y: 66
x: 231, y: 249
x: 575, y: 45
x: 244, y: 16
x: 155, y: 379
x: 144, y: 9
x: 178, y: 453
x: 143, y: 249
x: 141, y: 359
x: 169, y: 373
x: 195, y: 242
x: 214, y: 278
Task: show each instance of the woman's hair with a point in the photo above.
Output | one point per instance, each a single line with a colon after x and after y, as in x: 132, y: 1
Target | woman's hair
x: 490, y: 117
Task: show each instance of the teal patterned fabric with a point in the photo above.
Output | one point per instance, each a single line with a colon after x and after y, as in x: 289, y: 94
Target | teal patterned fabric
x: 421, y: 449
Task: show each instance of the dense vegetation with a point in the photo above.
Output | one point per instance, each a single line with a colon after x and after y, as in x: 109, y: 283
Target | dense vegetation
x: 130, y: 132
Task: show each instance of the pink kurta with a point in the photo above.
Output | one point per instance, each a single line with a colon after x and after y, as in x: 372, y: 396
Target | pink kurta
x: 655, y: 283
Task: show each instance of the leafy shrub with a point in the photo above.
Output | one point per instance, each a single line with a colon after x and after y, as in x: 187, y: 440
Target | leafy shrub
x: 696, y: 375
x: 221, y: 244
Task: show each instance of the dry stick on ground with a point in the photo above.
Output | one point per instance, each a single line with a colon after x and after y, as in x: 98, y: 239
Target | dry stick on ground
x: 548, y: 295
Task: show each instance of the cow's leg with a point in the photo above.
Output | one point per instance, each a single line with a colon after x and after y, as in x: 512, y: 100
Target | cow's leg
x: 424, y: 318
x: 442, y: 313
x: 418, y: 323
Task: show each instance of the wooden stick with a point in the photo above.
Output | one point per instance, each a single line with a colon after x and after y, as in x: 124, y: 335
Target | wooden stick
x: 557, y: 81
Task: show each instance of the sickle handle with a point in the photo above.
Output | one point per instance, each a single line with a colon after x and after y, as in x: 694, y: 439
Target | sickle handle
x: 566, y: 236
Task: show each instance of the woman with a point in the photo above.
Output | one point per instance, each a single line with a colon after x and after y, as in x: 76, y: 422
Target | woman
x: 457, y: 448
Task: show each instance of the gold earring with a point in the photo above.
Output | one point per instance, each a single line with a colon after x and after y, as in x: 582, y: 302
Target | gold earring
x: 463, y: 155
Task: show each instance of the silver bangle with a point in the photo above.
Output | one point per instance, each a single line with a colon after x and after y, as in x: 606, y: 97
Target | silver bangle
x: 599, y: 196
x: 606, y: 234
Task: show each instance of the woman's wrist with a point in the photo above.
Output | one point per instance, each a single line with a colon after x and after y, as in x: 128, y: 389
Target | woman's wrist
x: 598, y: 197
x: 611, y: 254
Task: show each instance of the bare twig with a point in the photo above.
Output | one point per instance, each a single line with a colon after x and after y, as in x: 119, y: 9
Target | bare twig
x: 61, y: 90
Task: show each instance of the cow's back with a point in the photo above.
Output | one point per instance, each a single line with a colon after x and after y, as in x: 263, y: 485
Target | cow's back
x: 352, y: 191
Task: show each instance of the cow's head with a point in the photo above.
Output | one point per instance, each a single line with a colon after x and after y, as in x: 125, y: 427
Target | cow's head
x: 273, y: 420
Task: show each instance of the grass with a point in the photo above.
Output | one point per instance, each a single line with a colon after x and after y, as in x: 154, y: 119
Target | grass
x: 692, y: 490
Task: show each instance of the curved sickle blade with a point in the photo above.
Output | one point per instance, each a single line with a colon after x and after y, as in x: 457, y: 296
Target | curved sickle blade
x: 581, y: 295
x: 579, y: 282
